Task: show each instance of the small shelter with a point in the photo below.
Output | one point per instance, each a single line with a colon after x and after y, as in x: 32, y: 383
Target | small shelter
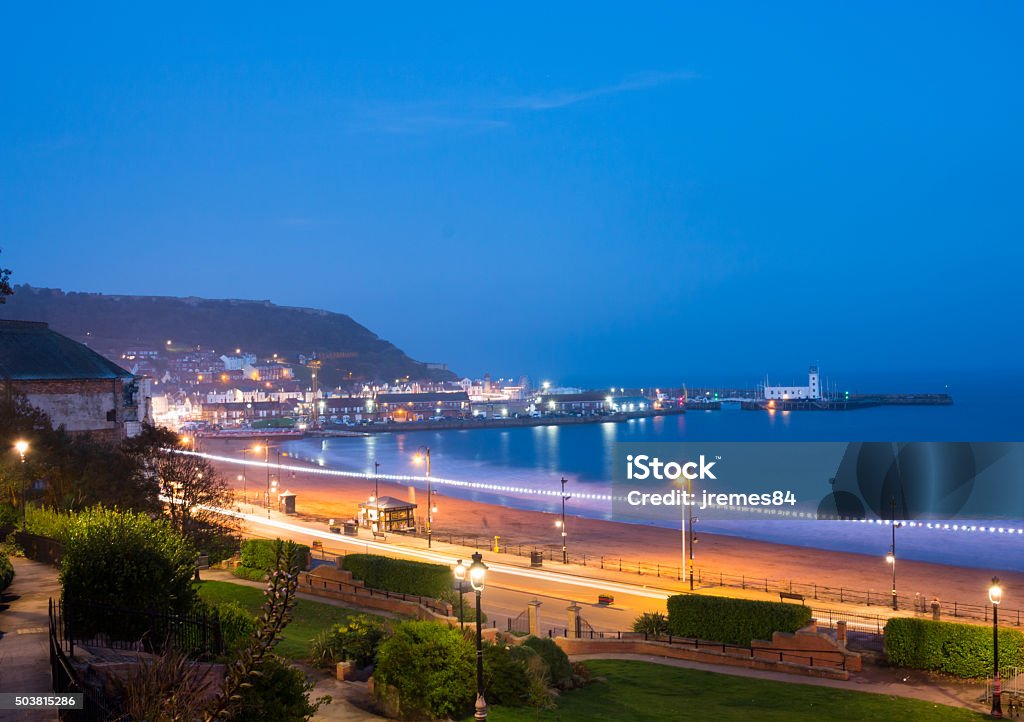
x: 286, y: 502
x: 387, y: 514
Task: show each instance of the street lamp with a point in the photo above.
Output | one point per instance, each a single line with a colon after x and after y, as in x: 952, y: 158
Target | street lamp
x: 891, y: 556
x: 561, y: 524
x: 689, y: 539
x: 477, y: 572
x: 460, y: 579
x: 995, y: 595
x: 21, y: 446
x: 421, y: 454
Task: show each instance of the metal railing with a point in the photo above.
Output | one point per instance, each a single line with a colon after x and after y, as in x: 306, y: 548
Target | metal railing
x: 805, y: 657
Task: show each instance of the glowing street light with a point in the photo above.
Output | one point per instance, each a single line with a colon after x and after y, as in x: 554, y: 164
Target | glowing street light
x: 21, y: 446
x: 995, y: 596
x: 561, y: 524
x: 460, y: 581
x: 423, y: 454
x: 477, y: 572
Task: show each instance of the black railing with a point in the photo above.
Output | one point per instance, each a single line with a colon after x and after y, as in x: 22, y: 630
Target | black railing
x: 521, y: 624
x: 819, y: 658
x: 65, y: 679
x: 195, y: 635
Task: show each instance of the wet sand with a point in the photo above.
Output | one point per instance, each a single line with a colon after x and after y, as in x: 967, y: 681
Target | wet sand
x: 322, y: 497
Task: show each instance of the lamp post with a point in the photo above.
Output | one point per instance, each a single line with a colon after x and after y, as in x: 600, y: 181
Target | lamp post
x: 424, y: 453
x: 891, y: 556
x: 21, y: 446
x: 995, y: 595
x: 460, y: 579
x: 477, y: 572
x: 561, y: 524
x: 686, y: 533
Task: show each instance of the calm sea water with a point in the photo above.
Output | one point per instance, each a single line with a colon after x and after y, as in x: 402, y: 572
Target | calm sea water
x: 537, y: 458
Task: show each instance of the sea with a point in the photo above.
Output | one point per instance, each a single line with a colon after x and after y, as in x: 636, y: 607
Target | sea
x: 509, y: 467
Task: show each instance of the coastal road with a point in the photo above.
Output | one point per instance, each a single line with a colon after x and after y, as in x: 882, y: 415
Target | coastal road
x: 510, y: 586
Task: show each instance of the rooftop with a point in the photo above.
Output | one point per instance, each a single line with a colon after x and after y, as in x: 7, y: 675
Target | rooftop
x: 30, y: 351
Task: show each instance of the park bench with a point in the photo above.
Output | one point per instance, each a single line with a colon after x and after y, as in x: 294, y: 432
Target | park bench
x: 783, y: 596
x: 379, y: 535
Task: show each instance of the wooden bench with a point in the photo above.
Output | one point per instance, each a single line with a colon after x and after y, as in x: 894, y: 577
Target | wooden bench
x: 783, y: 596
x: 379, y: 535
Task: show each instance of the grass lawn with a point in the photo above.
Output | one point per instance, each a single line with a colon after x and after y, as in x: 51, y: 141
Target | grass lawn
x: 645, y: 692
x: 308, y: 618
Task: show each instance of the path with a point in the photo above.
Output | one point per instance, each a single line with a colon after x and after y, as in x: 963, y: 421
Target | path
x: 24, y: 646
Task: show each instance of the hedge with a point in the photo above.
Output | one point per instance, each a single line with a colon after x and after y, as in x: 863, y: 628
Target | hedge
x: 261, y: 554
x: 6, y: 572
x: 400, y: 575
x: 734, y: 621
x: 962, y: 650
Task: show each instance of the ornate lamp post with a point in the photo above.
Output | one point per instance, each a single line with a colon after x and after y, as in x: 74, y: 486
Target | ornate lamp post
x: 995, y: 595
x: 424, y: 453
x: 891, y: 556
x: 561, y: 524
x: 477, y: 572
x: 460, y: 580
x: 21, y: 446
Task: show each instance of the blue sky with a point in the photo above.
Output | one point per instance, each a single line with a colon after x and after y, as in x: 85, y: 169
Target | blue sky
x: 654, y: 194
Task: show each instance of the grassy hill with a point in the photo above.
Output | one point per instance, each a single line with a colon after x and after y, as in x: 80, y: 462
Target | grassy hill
x: 111, y: 324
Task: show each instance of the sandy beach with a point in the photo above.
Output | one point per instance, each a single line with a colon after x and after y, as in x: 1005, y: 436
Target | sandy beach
x: 322, y: 497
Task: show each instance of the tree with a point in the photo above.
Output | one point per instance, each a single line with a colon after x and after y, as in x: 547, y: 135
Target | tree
x: 190, y: 485
x: 5, y: 284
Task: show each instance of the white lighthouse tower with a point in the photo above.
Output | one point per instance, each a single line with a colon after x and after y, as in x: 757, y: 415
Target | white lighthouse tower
x: 784, y: 393
x: 813, y: 387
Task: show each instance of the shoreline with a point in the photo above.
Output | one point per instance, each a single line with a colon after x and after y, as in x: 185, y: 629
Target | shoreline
x: 320, y: 497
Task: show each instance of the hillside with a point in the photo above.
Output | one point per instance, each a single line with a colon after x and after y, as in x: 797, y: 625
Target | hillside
x: 111, y: 324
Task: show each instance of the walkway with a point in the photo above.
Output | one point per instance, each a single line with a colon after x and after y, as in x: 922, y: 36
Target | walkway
x: 24, y: 647
x: 874, y: 680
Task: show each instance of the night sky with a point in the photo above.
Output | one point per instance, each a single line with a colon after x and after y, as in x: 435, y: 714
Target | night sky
x: 634, y: 195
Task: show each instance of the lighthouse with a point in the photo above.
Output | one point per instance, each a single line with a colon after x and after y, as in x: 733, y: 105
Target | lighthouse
x: 811, y: 391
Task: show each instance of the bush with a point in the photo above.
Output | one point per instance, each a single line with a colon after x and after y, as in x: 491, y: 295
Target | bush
x: 260, y: 554
x: 253, y: 575
x: 514, y: 676
x: 431, y: 666
x: 280, y: 693
x: 962, y: 650
x: 6, y: 572
x: 127, y: 560
x: 468, y: 606
x: 355, y: 641
x: 48, y: 523
x: 557, y: 661
x: 400, y: 575
x: 735, y: 621
x: 237, y: 626
x: 652, y: 623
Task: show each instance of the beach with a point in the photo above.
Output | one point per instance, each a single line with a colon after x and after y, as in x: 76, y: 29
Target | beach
x: 320, y: 498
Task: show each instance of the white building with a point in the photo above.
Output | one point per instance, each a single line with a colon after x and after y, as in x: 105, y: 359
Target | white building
x: 811, y: 391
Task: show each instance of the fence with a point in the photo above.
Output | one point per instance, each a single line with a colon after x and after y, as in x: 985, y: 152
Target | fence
x: 706, y: 577
x: 806, y: 657
x: 195, y: 635
x: 65, y: 678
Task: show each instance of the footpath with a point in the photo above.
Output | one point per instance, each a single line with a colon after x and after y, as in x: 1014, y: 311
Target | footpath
x: 24, y: 642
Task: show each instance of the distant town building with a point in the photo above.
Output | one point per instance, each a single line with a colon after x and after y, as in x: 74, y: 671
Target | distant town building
x: 417, y: 407
x: 586, y: 402
x: 78, y: 388
x: 811, y: 391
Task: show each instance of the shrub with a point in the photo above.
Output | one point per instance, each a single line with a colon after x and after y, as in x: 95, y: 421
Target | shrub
x: 652, y: 623
x: 253, y: 575
x: 735, y: 621
x: 514, y: 676
x: 962, y: 650
x: 6, y: 572
x: 356, y: 642
x: 431, y: 666
x: 280, y: 693
x: 48, y: 523
x: 468, y: 606
x: 559, y: 667
x: 400, y: 575
x: 237, y: 626
x: 128, y: 560
x: 260, y: 554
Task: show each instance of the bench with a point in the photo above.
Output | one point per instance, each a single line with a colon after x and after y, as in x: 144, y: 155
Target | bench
x: 783, y: 596
x: 379, y: 535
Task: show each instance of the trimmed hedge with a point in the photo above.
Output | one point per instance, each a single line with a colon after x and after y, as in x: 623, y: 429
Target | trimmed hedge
x: 962, y: 650
x: 6, y: 572
x: 734, y: 621
x: 253, y: 575
x: 261, y: 554
x: 400, y: 575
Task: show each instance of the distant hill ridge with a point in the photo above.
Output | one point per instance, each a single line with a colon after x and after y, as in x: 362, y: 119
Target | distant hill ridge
x: 113, y: 323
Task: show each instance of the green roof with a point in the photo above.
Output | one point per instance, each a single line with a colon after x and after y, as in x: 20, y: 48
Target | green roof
x: 30, y: 351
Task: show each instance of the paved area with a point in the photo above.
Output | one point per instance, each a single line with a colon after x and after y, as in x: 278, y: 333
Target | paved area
x: 24, y: 647
x: 873, y: 680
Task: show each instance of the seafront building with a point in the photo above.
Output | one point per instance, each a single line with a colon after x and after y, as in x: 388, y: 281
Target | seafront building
x: 811, y: 391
